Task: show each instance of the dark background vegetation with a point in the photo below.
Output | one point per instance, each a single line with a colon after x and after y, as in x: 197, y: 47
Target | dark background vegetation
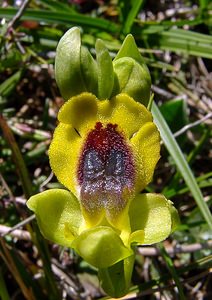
x: 174, y: 39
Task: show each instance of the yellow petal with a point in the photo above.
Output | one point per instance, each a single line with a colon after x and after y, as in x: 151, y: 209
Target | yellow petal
x: 124, y: 111
x: 80, y: 112
x: 146, y: 148
x: 64, y: 156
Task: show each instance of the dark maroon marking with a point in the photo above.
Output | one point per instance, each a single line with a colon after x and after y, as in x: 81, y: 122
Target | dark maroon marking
x: 106, y: 170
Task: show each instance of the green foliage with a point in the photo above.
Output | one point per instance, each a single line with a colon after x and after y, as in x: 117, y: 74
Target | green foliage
x: 175, y: 113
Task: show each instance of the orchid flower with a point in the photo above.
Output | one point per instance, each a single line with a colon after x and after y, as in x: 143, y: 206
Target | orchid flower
x: 104, y: 151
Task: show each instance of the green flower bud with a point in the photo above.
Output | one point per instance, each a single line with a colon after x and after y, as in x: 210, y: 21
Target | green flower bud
x: 131, y: 73
x: 133, y: 79
x: 75, y: 68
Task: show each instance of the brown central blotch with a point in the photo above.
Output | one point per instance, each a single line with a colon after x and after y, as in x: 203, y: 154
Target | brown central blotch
x: 106, y: 171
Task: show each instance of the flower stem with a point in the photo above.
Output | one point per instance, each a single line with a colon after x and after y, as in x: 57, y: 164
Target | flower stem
x: 116, y: 279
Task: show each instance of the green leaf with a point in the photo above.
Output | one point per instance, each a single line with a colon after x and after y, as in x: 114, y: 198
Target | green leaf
x: 59, y: 17
x: 58, y: 214
x: 175, y: 113
x: 101, y: 246
x: 10, y: 83
x: 181, y: 163
x: 177, y: 40
x: 105, y: 71
x: 57, y: 6
x: 135, y: 8
x: 204, y: 3
x: 189, y: 42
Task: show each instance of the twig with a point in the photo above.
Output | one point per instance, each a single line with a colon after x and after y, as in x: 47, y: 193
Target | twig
x: 202, y: 66
x: 145, y: 251
x: 20, y: 200
x: 162, y: 92
x: 48, y: 179
x: 6, y: 187
x: 170, y: 286
x: 185, y: 128
x: 20, y: 224
x: 151, y: 291
x: 18, y: 15
x: 17, y: 233
x: 151, y: 251
x: 70, y: 286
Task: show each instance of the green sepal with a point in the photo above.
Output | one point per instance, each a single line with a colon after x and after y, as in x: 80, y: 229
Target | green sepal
x: 153, y: 214
x: 58, y: 215
x: 131, y: 73
x: 105, y: 71
x: 89, y: 71
x: 129, y: 49
x: 100, y: 246
x: 75, y: 68
x: 116, y: 279
x: 137, y: 237
x: 174, y: 216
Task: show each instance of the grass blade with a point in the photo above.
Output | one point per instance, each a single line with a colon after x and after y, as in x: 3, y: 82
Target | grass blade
x: 3, y: 289
x: 181, y: 163
x: 17, y: 157
x: 186, y: 41
x: 66, y: 18
x: 177, y: 40
x: 172, y: 270
x: 132, y: 15
x: 10, y: 83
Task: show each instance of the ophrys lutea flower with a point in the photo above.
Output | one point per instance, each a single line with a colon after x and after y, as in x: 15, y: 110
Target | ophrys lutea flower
x: 105, y: 152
